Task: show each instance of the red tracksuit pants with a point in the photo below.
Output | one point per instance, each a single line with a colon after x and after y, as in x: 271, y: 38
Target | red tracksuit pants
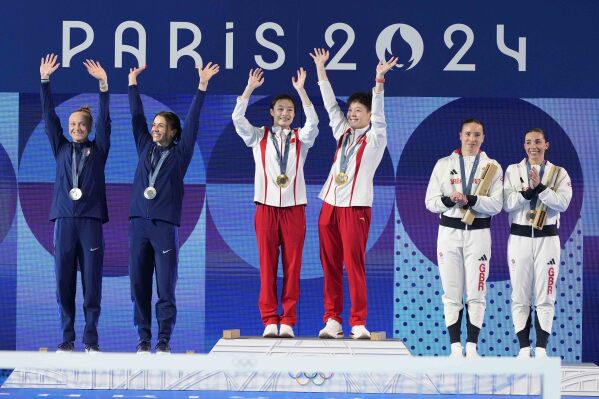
x: 284, y: 227
x: 343, y: 234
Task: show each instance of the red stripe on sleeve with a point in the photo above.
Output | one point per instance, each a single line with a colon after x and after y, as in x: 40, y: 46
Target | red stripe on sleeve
x: 263, y: 144
x: 298, y: 145
x: 358, y: 163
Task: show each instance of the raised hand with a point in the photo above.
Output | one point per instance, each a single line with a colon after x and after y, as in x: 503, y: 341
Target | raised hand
x: 208, y: 72
x: 95, y: 69
x: 134, y: 72
x: 256, y: 78
x: 320, y: 56
x: 48, y: 65
x: 384, y: 66
x: 298, y: 83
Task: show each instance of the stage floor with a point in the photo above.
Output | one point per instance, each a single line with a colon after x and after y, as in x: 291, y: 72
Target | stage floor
x: 29, y: 393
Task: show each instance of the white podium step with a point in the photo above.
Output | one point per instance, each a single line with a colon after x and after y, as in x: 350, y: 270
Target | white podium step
x: 577, y: 379
x: 310, y: 346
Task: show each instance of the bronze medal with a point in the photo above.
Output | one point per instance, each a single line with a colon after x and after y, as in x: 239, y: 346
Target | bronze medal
x: 530, y: 215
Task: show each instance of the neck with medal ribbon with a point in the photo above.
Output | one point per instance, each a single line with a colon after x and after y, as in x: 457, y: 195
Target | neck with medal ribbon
x: 466, y: 188
x: 530, y: 215
x: 75, y: 192
x: 282, y: 179
x: 341, y: 178
x: 150, y: 191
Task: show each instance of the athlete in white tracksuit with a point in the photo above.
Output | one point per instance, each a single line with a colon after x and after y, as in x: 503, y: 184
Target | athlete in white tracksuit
x: 464, y: 252
x: 534, y: 255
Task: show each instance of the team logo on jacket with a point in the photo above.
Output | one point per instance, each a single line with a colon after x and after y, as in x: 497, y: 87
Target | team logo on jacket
x: 457, y: 180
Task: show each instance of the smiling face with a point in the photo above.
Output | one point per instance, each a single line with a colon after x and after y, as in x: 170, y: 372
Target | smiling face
x: 282, y: 113
x: 162, y: 133
x: 79, y: 126
x: 535, y: 146
x: 358, y: 115
x: 472, y: 137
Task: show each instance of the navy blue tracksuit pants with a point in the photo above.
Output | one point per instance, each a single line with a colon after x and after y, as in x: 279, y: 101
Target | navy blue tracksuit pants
x: 153, y: 246
x: 78, y: 240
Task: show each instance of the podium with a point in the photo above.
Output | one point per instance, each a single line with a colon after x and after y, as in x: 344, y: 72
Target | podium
x: 576, y: 379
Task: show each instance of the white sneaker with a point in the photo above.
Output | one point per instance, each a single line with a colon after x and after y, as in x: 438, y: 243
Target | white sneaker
x: 541, y: 353
x: 471, y: 351
x: 270, y: 331
x: 331, y: 330
x: 286, y: 331
x: 457, y: 352
x: 359, y: 332
x: 524, y: 353
x: 93, y: 349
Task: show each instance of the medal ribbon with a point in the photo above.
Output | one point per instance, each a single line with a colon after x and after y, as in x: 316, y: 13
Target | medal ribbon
x: 77, y: 168
x: 154, y: 173
x: 282, y: 159
x: 343, y: 162
x: 466, y: 188
x: 535, y: 196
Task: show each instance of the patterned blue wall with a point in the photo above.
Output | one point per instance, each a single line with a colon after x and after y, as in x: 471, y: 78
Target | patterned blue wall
x: 218, y: 278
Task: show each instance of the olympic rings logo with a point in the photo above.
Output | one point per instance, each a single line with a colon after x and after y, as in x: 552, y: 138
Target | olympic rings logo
x: 317, y: 378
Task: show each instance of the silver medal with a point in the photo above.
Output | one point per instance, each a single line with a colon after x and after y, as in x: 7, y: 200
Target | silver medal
x: 150, y: 193
x: 75, y: 194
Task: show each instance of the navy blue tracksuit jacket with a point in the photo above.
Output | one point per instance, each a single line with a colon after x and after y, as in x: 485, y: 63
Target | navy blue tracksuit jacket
x: 153, y: 226
x: 78, y: 237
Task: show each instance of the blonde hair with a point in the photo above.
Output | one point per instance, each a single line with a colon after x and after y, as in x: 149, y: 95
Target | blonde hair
x: 87, y: 111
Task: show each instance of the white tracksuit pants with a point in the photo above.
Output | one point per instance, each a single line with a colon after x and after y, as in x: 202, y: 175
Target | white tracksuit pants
x: 534, y: 268
x: 463, y: 257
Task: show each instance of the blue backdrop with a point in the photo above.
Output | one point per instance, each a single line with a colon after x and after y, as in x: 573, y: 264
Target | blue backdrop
x: 514, y: 65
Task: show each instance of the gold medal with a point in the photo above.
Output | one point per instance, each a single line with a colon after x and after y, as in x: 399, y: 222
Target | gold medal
x: 282, y: 181
x: 150, y: 193
x: 530, y: 215
x: 341, y: 178
x: 75, y: 194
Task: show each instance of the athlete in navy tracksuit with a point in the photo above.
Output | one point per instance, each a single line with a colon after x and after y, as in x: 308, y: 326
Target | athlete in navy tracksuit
x: 155, y: 213
x: 78, y: 205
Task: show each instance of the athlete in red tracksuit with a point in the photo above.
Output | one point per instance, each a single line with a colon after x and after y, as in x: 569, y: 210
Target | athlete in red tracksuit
x: 534, y: 255
x: 344, y: 219
x: 280, y: 197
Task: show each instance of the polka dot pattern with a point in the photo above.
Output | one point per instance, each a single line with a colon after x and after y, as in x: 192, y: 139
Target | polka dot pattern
x: 418, y: 311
